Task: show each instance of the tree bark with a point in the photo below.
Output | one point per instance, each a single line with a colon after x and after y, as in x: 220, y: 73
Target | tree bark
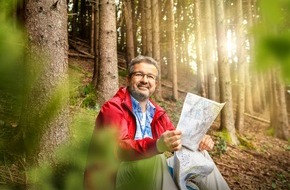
x: 199, y: 60
x: 129, y: 30
x: 173, y: 51
x: 248, y: 84
x: 211, y: 64
x: 108, y: 82
x: 156, y: 44
x: 96, y: 14
x: 45, y: 112
x: 241, y: 54
x: 279, y: 118
x: 148, y: 28
x: 74, y: 22
x: 143, y: 27
x: 227, y: 120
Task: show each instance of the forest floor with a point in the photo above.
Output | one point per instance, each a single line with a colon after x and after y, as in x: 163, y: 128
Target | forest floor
x: 262, y: 163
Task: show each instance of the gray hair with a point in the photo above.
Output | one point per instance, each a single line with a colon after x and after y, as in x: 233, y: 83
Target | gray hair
x: 142, y: 59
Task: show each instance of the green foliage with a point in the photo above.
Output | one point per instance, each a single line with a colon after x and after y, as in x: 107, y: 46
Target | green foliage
x: 245, y: 142
x: 11, y: 65
x: 74, y: 84
x: 272, y: 36
x: 89, y: 96
x: 81, y: 95
x: 123, y: 73
x: 281, y: 178
x: 270, y: 131
x: 220, y: 144
x: 67, y: 173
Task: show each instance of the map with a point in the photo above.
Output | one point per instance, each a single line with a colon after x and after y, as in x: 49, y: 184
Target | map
x: 197, y: 116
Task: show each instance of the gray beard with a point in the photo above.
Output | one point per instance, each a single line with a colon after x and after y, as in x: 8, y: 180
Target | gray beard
x: 137, y: 95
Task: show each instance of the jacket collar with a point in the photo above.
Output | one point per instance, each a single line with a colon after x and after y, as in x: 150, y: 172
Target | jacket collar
x: 124, y: 94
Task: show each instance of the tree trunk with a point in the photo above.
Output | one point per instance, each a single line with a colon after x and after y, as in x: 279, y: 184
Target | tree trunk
x: 96, y: 42
x: 173, y: 51
x: 74, y: 22
x: 135, y: 17
x: 129, y: 30
x: 82, y: 21
x: 143, y: 27
x: 108, y: 81
x: 257, y: 93
x: 279, y: 117
x: 241, y: 54
x: 199, y: 61
x: 45, y: 112
x: 148, y: 28
x: 248, y: 84
x: 92, y: 38
x: 227, y: 120
x: 210, y: 51
x: 156, y: 44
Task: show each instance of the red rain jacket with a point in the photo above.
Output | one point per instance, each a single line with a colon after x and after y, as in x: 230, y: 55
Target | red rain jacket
x: 117, y: 112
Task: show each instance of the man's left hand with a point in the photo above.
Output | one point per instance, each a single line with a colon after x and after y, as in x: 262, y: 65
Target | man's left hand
x: 206, y: 143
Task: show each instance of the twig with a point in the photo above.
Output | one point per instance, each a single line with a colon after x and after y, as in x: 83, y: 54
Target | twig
x: 257, y: 118
x: 227, y: 166
x: 81, y: 55
x: 182, y: 91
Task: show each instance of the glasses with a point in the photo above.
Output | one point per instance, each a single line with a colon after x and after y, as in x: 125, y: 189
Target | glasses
x: 140, y: 75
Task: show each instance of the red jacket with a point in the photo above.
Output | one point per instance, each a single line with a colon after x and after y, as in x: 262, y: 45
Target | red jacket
x: 117, y: 112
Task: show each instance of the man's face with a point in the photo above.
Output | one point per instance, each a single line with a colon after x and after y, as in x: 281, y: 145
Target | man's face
x: 142, y: 82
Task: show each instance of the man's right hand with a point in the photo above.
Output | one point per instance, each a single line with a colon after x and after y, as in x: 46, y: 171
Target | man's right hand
x: 169, y: 141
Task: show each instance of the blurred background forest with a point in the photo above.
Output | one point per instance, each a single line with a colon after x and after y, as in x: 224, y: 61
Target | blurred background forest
x: 60, y: 60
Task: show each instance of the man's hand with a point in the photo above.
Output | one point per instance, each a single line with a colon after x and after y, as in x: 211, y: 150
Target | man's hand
x: 169, y: 141
x: 206, y: 143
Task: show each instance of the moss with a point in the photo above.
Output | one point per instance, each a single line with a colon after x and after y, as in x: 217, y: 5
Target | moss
x: 246, y: 143
x: 221, y: 143
x: 270, y: 131
x: 224, y: 135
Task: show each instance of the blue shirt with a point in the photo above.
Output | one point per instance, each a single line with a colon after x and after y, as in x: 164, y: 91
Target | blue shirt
x: 143, y: 120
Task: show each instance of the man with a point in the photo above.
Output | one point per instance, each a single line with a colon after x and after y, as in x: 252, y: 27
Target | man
x: 145, y: 132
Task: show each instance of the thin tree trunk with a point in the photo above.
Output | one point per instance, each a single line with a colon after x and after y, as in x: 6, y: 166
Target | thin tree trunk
x: 82, y: 20
x: 248, y: 88
x: 173, y: 51
x: 200, y: 66
x: 96, y: 41
x: 75, y: 23
x: 143, y: 27
x: 92, y: 46
x: 156, y: 43
x: 129, y: 30
x: 210, y: 51
x: 256, y: 93
x: 148, y: 28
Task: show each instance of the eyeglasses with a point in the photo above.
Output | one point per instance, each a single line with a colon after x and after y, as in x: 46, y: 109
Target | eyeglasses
x: 140, y: 75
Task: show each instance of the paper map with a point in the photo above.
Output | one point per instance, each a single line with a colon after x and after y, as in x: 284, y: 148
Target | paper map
x: 196, y: 118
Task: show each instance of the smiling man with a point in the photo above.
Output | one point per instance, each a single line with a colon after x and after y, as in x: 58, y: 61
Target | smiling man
x: 145, y: 132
